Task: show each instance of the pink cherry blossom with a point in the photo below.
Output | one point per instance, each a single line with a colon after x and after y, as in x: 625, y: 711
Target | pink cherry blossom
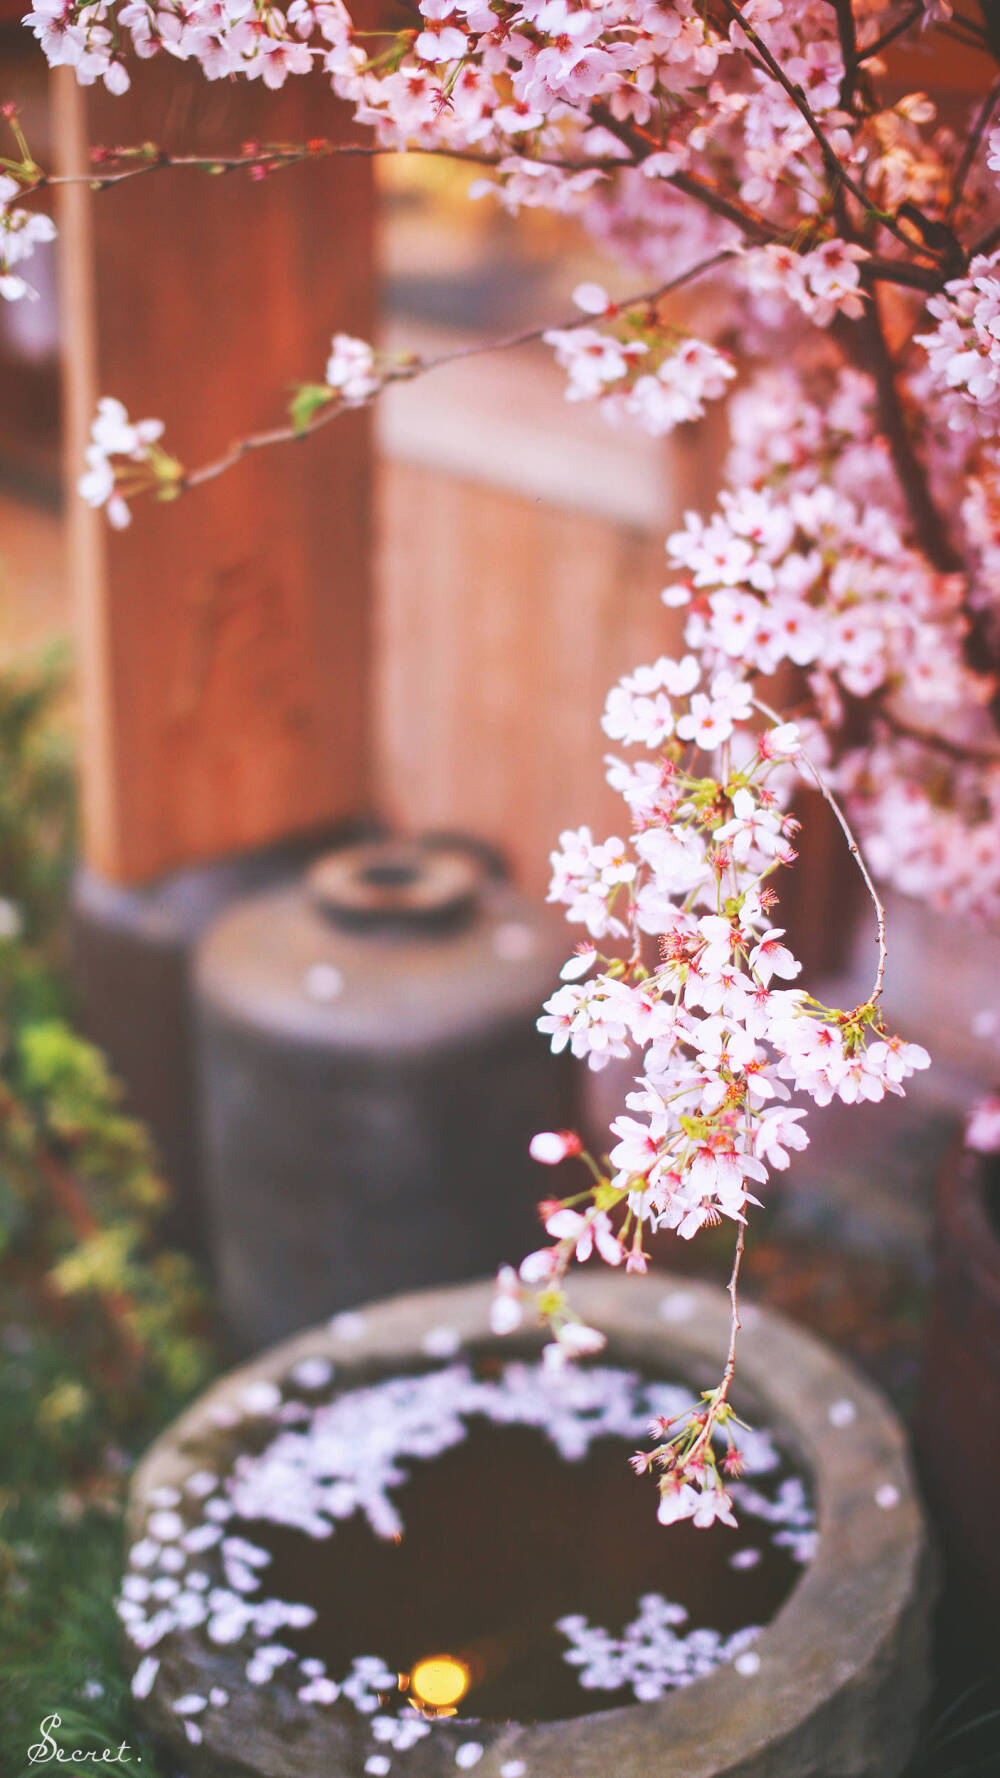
x: 982, y: 1132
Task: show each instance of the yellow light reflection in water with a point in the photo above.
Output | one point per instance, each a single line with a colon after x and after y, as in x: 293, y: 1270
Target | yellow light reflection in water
x: 439, y: 1682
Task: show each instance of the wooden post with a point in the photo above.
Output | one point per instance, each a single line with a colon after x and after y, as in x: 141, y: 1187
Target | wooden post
x: 224, y: 638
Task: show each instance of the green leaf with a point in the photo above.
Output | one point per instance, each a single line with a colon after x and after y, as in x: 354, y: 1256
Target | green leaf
x: 306, y: 403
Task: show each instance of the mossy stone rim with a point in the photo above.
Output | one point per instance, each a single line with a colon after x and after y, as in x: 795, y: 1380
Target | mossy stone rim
x: 843, y: 1666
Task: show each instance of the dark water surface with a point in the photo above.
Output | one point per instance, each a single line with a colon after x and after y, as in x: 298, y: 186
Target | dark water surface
x: 503, y: 1537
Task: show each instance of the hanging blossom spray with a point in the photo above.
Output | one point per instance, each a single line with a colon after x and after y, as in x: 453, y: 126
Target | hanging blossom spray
x: 851, y: 241
x: 724, y: 1039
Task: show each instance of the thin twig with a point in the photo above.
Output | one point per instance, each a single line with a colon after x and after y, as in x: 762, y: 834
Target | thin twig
x: 972, y: 25
x: 971, y: 149
x: 735, y: 1323
x: 852, y: 846
x: 277, y: 157
x: 418, y: 367
x: 721, y: 1394
x: 894, y: 31
x: 966, y: 32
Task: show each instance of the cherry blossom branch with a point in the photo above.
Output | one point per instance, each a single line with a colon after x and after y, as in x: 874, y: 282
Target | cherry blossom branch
x: 260, y: 160
x: 419, y: 366
x: 835, y: 167
x: 274, y: 158
x: 852, y: 846
x: 751, y: 223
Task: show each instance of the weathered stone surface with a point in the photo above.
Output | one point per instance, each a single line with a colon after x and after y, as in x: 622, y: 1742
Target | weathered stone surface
x: 843, y: 1666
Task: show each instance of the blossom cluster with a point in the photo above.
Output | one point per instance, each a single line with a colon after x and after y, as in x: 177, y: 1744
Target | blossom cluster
x: 350, y: 369
x: 818, y: 580
x: 649, y: 375
x: 21, y: 231
x: 944, y: 849
x: 720, y: 1030
x: 822, y: 283
x: 532, y: 84
x: 107, y: 483
x: 881, y: 624
x: 85, y: 38
x: 964, y: 347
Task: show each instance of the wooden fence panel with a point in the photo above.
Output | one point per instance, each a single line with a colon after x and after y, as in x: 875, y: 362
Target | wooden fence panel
x: 224, y: 639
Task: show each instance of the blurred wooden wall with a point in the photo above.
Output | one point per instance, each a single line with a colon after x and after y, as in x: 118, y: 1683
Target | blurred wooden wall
x: 223, y: 642
x: 521, y: 557
x: 30, y: 408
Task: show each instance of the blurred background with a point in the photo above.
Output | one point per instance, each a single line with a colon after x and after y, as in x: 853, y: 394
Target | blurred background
x: 410, y: 623
x: 325, y: 719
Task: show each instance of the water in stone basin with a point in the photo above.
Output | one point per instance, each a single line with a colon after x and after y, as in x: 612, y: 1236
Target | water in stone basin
x: 479, y: 1514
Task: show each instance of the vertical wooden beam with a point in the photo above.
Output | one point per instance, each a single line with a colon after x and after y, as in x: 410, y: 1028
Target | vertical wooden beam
x: 224, y: 638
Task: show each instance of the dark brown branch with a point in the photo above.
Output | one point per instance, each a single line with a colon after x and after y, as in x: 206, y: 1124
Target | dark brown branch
x: 847, y: 34
x: 864, y: 343
x: 900, y: 271
x: 751, y: 223
x: 753, y: 226
x: 974, y: 28
x: 963, y: 752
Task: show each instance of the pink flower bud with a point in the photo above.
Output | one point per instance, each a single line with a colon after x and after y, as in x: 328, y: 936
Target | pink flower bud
x: 552, y: 1146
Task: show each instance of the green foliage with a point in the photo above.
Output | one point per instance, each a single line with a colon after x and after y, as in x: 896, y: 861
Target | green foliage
x: 100, y: 1327
x: 36, y: 797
